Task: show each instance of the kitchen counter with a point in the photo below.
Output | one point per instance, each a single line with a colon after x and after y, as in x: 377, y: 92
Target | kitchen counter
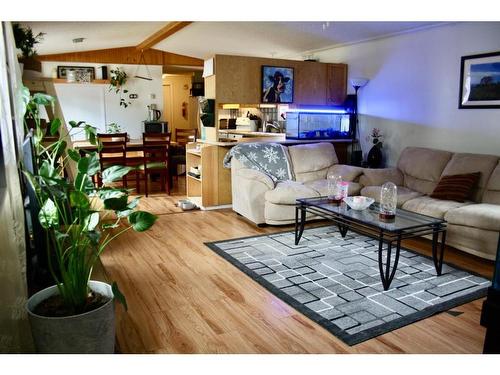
x: 248, y: 133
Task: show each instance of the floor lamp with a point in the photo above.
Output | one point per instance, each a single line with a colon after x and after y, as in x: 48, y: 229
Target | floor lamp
x: 356, y: 153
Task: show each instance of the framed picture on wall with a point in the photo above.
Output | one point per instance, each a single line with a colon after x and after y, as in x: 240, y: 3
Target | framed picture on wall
x: 277, y: 84
x: 480, y: 81
x: 81, y: 73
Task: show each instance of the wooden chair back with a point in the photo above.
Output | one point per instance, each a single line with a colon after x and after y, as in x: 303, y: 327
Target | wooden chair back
x: 155, y: 148
x: 184, y: 136
x: 113, y: 149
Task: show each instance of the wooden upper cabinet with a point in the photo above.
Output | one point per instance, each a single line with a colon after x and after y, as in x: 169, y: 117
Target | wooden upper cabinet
x: 310, y: 83
x: 336, y: 84
x: 238, y: 79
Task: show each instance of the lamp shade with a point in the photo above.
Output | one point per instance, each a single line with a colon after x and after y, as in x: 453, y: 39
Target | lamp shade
x: 359, y: 81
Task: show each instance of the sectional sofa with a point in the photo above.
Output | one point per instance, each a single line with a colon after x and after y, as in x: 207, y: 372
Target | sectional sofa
x: 473, y: 226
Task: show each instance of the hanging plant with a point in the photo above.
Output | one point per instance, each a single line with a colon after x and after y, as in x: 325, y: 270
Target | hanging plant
x: 118, y: 79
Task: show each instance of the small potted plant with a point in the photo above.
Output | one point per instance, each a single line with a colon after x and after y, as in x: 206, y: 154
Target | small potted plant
x: 76, y: 315
x: 118, y: 79
x: 25, y: 41
x: 374, y: 158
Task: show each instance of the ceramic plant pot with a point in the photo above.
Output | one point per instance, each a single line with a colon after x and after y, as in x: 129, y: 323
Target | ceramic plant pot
x: 92, y: 332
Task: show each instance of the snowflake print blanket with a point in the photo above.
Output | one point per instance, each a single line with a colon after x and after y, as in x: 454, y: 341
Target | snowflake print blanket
x: 269, y: 158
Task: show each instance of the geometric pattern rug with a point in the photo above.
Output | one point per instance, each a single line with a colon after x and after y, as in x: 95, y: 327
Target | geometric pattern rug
x: 335, y: 281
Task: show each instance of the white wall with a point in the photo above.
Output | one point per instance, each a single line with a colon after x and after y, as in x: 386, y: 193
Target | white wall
x: 97, y: 105
x: 414, y: 86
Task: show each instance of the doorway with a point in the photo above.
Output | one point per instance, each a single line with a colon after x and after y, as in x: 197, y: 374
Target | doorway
x: 168, y: 105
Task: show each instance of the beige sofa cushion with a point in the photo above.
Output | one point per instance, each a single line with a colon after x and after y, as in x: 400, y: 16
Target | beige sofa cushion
x: 347, y: 172
x: 404, y: 194
x: 432, y: 207
x: 378, y: 177
x: 461, y: 163
x: 482, y: 215
x: 311, y: 161
x: 321, y: 186
x: 286, y: 192
x: 492, y: 192
x: 422, y: 167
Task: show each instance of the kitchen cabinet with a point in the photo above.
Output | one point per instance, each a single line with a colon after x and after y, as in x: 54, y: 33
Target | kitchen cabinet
x: 238, y: 79
x: 336, y: 78
x: 310, y: 83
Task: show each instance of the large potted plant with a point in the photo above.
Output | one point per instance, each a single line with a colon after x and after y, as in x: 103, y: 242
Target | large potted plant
x: 76, y: 315
x: 25, y: 41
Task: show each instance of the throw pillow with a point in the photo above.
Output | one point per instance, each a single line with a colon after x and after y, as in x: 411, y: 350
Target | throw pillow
x: 458, y: 187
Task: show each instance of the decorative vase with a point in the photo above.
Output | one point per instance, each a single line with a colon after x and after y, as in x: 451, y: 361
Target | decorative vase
x: 333, y: 187
x: 388, y: 201
x: 92, y: 332
x: 374, y: 158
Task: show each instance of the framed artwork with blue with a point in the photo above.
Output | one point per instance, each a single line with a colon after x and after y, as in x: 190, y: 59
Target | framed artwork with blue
x: 277, y: 84
x: 480, y: 81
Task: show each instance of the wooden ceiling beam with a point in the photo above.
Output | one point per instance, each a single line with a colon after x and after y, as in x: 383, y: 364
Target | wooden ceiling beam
x: 166, y: 31
x: 124, y: 55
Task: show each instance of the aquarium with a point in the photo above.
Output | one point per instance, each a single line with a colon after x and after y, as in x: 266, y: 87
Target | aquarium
x: 319, y: 124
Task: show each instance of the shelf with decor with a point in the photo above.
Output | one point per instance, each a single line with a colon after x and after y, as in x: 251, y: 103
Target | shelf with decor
x: 94, y: 81
x: 213, y: 187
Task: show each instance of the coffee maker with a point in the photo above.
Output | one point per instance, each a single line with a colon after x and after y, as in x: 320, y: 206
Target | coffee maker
x: 153, y: 113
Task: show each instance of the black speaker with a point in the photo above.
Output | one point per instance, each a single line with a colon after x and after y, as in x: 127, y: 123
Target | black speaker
x: 104, y: 70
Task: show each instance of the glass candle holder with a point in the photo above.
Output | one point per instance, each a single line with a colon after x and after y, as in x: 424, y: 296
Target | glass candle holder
x: 388, y: 201
x: 333, y: 187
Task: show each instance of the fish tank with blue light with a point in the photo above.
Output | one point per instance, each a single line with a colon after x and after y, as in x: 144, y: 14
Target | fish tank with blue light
x: 319, y: 124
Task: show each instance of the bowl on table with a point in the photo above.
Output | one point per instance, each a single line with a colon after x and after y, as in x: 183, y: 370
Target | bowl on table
x: 359, y: 202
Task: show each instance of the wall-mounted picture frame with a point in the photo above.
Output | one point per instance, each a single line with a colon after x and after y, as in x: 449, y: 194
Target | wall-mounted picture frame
x: 81, y: 73
x: 480, y: 81
x: 277, y: 84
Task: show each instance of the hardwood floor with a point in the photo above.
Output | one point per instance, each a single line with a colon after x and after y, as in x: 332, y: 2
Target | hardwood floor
x: 183, y: 298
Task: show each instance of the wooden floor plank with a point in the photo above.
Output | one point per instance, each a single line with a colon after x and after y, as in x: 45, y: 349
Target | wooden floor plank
x: 184, y: 298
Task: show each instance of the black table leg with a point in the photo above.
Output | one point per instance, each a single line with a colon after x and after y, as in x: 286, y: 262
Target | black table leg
x: 299, y: 228
x: 438, y: 258
x: 342, y: 229
x: 387, y: 272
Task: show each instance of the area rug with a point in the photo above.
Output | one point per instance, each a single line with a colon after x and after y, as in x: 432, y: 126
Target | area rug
x: 335, y: 281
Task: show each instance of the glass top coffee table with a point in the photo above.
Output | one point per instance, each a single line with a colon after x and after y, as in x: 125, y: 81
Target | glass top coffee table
x: 405, y: 225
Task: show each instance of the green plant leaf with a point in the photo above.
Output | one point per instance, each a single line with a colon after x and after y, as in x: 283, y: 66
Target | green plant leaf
x: 141, y: 220
x: 119, y: 295
x: 89, y: 164
x: 91, y: 221
x: 48, y: 215
x: 116, y: 204
x: 43, y: 99
x: 83, y: 183
x: 48, y: 173
x: 55, y: 124
x: 94, y: 237
x: 79, y: 199
x: 91, y: 134
x: 105, y: 193
x: 114, y: 173
x: 74, y: 154
x: 129, y: 209
x: 75, y: 124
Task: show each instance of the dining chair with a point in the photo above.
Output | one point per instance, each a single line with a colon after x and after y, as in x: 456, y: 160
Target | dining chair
x: 178, y: 155
x: 156, y: 158
x: 113, y: 151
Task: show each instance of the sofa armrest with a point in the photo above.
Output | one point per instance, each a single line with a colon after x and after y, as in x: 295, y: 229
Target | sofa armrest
x: 347, y: 172
x: 252, y: 174
x: 377, y: 177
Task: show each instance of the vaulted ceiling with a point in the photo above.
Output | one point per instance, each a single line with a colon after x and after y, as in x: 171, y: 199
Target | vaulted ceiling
x: 204, y: 39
